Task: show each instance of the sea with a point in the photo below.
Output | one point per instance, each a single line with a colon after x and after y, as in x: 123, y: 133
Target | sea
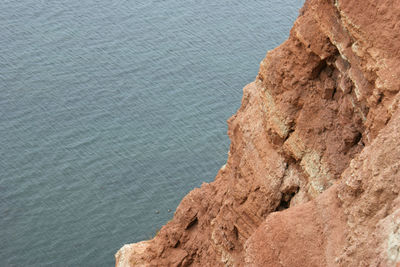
x: 112, y: 111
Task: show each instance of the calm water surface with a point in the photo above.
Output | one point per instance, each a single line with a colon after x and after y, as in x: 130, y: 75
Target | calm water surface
x: 111, y: 111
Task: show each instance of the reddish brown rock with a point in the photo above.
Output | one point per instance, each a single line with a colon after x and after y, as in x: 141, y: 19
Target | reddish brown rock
x: 356, y: 222
x: 312, y: 174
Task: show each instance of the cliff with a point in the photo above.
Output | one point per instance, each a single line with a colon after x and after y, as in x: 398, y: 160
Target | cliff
x: 312, y: 177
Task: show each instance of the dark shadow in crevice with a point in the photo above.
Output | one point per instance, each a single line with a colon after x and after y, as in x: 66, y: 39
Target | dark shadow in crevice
x: 285, y: 200
x: 192, y: 223
x: 236, y: 232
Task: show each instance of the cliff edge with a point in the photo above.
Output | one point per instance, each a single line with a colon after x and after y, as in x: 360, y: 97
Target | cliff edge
x: 312, y: 177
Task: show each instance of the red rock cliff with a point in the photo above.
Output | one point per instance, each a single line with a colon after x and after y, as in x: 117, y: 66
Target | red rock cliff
x: 312, y: 177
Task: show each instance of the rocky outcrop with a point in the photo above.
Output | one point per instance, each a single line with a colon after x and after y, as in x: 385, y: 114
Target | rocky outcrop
x: 356, y: 222
x: 312, y: 177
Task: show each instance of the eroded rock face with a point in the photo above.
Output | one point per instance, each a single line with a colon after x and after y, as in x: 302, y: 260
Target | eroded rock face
x: 356, y: 222
x: 312, y: 174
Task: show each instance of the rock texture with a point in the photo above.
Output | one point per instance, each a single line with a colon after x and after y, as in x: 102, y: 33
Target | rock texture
x: 312, y: 177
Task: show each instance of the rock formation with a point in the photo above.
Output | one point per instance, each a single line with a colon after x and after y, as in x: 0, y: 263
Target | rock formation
x: 312, y: 177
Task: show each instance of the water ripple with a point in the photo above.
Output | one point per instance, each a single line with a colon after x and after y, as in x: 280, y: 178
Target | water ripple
x: 113, y: 110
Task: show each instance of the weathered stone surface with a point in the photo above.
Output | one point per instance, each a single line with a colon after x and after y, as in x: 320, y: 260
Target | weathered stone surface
x: 312, y: 175
x: 356, y: 222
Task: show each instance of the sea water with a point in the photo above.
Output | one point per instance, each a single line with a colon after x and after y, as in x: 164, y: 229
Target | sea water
x: 112, y: 111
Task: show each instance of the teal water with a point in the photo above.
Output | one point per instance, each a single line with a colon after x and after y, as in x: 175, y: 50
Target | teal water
x: 112, y: 111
